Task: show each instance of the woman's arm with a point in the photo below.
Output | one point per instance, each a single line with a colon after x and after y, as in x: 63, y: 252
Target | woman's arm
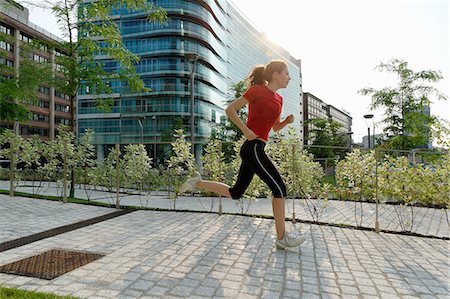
x: 277, y: 126
x: 232, y: 114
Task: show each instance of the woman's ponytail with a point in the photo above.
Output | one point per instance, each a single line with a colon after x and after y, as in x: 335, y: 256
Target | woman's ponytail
x: 261, y: 74
x: 257, y: 75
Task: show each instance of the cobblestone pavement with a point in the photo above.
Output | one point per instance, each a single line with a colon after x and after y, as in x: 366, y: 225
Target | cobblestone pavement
x: 20, y: 217
x: 197, y: 255
x: 426, y: 221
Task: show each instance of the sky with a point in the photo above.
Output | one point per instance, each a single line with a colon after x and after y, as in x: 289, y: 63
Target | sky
x: 341, y: 42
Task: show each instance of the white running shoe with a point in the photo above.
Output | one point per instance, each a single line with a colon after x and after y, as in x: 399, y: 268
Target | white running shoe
x: 290, y: 240
x: 190, y: 184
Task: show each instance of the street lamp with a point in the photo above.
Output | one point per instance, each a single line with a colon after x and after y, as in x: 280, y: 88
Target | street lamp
x: 368, y: 116
x: 154, y: 138
x: 191, y: 59
x: 377, y: 223
x: 350, y: 139
x: 142, y: 130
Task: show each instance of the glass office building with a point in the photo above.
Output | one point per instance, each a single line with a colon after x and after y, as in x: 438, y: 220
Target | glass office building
x: 227, y: 46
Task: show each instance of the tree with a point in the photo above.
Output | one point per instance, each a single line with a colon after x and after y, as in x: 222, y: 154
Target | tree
x: 167, y: 137
x: 407, y: 126
x: 19, y: 86
x: 323, y: 135
x: 232, y: 131
x: 181, y: 163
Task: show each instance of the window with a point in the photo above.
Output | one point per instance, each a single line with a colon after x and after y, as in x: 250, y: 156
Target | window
x: 39, y: 59
x: 6, y: 29
x: 42, y: 103
x: 62, y: 95
x: 6, y: 46
x: 33, y: 131
x: 40, y: 117
x: 62, y: 108
x: 44, y: 90
x: 6, y: 62
x: 25, y: 38
x: 61, y: 120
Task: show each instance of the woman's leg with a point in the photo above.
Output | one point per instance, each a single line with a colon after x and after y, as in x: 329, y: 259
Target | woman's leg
x: 267, y: 171
x: 245, y: 176
x: 216, y: 187
x: 278, y: 206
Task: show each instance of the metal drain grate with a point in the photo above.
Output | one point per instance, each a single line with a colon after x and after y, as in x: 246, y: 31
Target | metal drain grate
x: 50, y: 264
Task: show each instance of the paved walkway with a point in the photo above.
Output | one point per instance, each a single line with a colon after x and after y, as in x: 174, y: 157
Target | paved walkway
x: 182, y: 254
x: 425, y: 221
x: 21, y: 217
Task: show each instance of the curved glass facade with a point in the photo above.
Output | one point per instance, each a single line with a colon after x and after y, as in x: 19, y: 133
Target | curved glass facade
x: 227, y: 47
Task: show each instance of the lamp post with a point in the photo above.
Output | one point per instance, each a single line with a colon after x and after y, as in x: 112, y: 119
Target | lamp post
x: 191, y: 59
x: 154, y: 139
x: 368, y: 116
x: 350, y: 139
x: 142, y: 130
x: 377, y: 222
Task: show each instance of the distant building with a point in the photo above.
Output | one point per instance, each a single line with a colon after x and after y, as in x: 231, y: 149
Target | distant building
x: 428, y: 144
x: 342, y: 117
x: 53, y: 107
x: 313, y: 108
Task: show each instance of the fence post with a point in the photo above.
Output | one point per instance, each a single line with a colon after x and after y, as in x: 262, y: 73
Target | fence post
x: 117, y: 176
x: 220, y: 171
x: 377, y: 223
x: 65, y: 171
x: 12, y: 166
x: 293, y: 179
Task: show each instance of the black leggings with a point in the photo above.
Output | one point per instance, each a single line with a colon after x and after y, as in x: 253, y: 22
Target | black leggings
x: 255, y: 160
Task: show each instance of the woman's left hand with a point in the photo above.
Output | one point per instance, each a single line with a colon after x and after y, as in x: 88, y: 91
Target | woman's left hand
x: 290, y: 119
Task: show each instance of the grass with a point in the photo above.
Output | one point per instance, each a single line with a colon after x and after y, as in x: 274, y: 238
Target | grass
x: 10, y: 293
x: 329, y: 179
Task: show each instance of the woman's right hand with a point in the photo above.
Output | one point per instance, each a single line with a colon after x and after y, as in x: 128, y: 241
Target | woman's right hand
x: 250, y: 135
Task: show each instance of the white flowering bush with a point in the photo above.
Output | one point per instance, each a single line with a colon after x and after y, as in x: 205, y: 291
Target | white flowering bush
x: 213, y: 161
x: 213, y: 165
x: 109, y: 174
x: 440, y: 182
x: 397, y: 178
x: 136, y: 164
x: 126, y: 172
x: 355, y: 176
x: 406, y: 183
x: 181, y: 164
x: 86, y: 168
x: 19, y: 151
x: 400, y: 181
x: 301, y: 174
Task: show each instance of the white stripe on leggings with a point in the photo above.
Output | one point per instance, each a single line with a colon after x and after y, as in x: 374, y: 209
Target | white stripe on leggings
x: 256, y: 155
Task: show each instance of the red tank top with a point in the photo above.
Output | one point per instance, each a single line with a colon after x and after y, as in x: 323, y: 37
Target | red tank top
x: 264, y: 107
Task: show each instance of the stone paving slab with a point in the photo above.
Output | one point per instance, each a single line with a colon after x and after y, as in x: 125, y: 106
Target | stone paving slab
x: 177, y: 255
x: 427, y: 221
x: 20, y: 216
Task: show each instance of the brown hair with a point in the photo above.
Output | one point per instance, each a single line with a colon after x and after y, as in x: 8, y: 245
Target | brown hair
x: 261, y: 74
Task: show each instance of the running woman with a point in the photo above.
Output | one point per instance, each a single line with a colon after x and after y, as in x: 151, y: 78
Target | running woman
x: 264, y: 109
